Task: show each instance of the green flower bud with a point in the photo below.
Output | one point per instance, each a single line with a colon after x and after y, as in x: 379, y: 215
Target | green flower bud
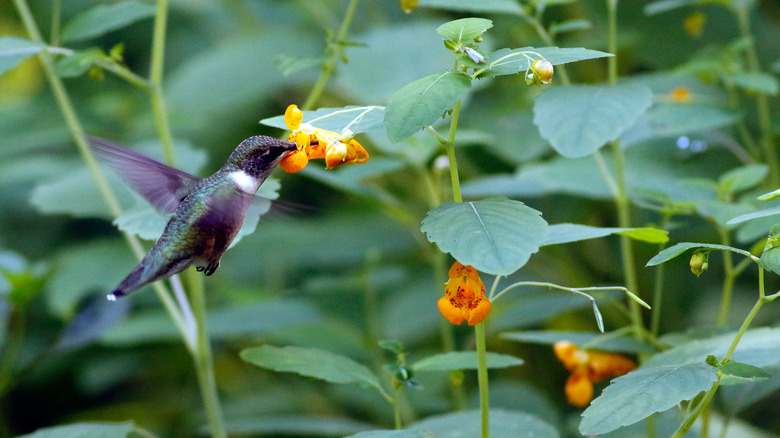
x: 699, y: 262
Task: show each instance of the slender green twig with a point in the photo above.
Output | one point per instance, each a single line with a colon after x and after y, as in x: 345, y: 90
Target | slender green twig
x: 482, y: 378
x: 155, y: 80
x: 335, y: 48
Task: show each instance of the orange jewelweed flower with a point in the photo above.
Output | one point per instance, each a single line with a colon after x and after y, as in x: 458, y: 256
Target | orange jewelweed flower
x: 587, y: 368
x: 315, y: 143
x: 464, y: 296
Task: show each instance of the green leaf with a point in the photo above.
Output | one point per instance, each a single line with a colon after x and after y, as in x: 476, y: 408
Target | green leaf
x: 756, y: 82
x: 355, y: 118
x: 423, y: 102
x: 674, y: 251
x: 770, y: 260
x: 264, y: 317
x: 757, y: 347
x: 495, y: 235
x: 511, y: 61
x: 566, y: 233
x: 464, y: 29
x: 464, y: 360
x: 84, y: 430
x: 755, y: 215
x: 468, y: 424
x: 578, y: 120
x: 588, y: 340
x: 78, y: 63
x: 570, y: 26
x: 482, y: 6
x: 312, y: 362
x: 295, y: 425
x: 641, y: 393
x: 102, y: 19
x: 14, y: 50
x: 738, y: 373
x: 742, y: 178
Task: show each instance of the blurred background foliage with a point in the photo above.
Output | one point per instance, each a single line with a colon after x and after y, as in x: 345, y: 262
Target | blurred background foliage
x: 352, y: 268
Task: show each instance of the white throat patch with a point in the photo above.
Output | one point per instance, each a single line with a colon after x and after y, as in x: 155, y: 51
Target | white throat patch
x: 246, y: 183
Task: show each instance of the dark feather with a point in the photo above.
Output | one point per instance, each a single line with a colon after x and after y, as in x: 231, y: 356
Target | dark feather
x: 163, y: 186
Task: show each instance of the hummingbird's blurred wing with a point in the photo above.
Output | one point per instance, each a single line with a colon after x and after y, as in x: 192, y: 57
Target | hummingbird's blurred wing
x: 163, y: 186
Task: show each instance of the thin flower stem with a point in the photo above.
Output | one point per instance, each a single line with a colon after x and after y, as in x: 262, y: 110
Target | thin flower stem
x: 335, y: 48
x: 729, y: 277
x: 155, y: 81
x: 204, y: 363
x: 482, y: 378
x: 450, y: 146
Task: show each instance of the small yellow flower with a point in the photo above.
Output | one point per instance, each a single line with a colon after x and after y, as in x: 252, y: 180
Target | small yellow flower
x: 680, y: 95
x: 543, y: 71
x: 315, y: 143
x: 694, y: 24
x: 408, y: 5
x: 464, y: 296
x: 587, y: 368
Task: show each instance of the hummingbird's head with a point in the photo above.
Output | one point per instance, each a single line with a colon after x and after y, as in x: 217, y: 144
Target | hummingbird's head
x: 259, y: 155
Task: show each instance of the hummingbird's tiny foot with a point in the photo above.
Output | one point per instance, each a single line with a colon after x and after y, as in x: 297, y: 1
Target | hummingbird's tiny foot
x: 211, y: 268
x: 200, y: 269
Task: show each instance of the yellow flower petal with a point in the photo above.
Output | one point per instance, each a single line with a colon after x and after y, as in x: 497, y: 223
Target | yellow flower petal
x: 579, y: 390
x: 294, y: 161
x: 293, y: 117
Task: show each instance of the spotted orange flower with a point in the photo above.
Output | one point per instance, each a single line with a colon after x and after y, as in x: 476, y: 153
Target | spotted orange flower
x: 587, y: 368
x: 315, y: 143
x: 464, y: 296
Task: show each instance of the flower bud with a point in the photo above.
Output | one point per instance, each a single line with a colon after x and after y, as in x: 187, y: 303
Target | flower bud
x: 543, y: 71
x: 293, y: 117
x: 408, y: 5
x: 699, y: 262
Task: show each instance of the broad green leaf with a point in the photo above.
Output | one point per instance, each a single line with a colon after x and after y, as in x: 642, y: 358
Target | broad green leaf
x: 295, y: 425
x: 738, y: 373
x: 464, y: 29
x: 102, y: 19
x: 355, y: 118
x: 483, y: 6
x: 312, y: 362
x: 756, y: 82
x: 770, y: 260
x: 14, y: 50
x: 676, y: 250
x: 566, y: 233
x: 423, y: 102
x: 468, y: 424
x: 495, y: 235
x: 755, y: 215
x: 742, y: 178
x: 641, y: 393
x: 464, y: 360
x: 757, y: 347
x: 84, y: 430
x: 224, y: 323
x: 578, y: 120
x: 511, y: 61
x: 588, y: 340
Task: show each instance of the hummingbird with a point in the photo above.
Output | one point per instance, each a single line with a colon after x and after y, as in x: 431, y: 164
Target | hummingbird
x: 206, y: 213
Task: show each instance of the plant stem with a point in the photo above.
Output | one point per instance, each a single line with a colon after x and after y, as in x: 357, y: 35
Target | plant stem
x: 658, y: 285
x: 204, y: 363
x: 762, y: 103
x: 450, y: 146
x: 621, y: 200
x: 729, y: 277
x: 335, y: 48
x: 482, y: 377
x: 155, y: 81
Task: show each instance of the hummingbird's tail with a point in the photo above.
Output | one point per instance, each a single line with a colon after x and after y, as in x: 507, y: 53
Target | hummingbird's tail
x: 147, y: 271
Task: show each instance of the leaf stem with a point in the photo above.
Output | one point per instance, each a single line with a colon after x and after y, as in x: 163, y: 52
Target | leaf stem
x: 482, y: 378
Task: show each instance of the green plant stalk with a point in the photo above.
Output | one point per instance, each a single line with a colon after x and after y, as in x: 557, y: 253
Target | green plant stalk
x: 658, y: 285
x: 729, y: 277
x: 204, y: 363
x: 74, y: 126
x: 329, y: 65
x: 762, y: 103
x: 56, y: 21
x: 450, y: 147
x: 482, y: 377
x: 155, y: 81
x: 762, y: 299
x: 621, y: 200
